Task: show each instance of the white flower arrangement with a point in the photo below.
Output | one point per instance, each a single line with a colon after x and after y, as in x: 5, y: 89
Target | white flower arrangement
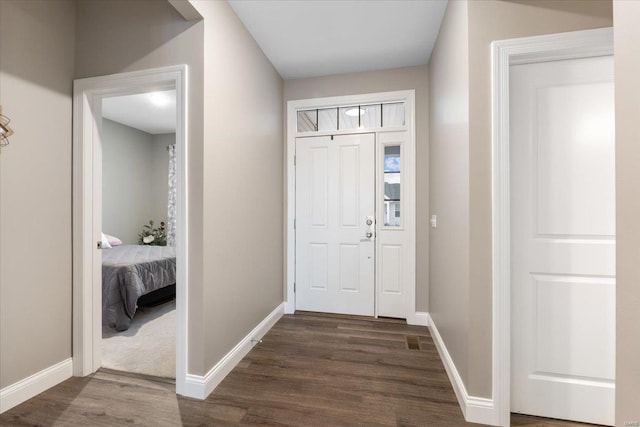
x: 153, y: 236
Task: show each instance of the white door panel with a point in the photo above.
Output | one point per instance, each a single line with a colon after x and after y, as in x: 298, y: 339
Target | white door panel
x: 391, y: 281
x: 575, y: 158
x: 565, y: 322
x: 563, y: 239
x: 393, y: 262
x: 334, y: 197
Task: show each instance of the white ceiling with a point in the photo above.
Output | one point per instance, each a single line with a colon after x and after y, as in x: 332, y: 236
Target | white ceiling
x: 306, y: 38
x: 153, y: 112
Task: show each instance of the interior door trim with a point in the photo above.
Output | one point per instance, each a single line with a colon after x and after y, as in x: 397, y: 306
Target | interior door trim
x: 87, y: 295
x: 504, y: 53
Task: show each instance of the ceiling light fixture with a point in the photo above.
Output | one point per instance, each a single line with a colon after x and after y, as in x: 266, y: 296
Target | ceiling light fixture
x: 159, y: 99
x: 355, y: 112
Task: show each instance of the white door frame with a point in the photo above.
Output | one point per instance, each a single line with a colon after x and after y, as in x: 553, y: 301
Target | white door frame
x: 87, y: 181
x: 406, y: 96
x: 504, y: 53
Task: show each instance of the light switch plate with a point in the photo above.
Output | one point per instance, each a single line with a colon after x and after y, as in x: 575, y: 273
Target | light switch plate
x: 434, y: 222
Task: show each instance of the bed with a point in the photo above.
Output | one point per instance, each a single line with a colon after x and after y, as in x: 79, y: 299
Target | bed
x: 129, y: 272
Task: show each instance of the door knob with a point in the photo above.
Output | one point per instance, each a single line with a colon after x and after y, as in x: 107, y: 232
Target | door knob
x: 369, y: 234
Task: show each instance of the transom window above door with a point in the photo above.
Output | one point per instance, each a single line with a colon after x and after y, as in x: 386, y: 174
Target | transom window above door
x: 372, y: 116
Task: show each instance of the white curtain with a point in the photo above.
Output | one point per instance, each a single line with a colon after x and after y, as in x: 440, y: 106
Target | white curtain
x: 171, y: 208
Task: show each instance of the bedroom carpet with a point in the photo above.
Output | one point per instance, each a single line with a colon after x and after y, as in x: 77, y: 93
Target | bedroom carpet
x: 148, y: 347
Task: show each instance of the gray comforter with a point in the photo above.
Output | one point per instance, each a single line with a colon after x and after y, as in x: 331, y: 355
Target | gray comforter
x: 128, y: 272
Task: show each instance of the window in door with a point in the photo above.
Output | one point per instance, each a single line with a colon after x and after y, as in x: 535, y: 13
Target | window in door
x: 351, y: 117
x: 392, y: 186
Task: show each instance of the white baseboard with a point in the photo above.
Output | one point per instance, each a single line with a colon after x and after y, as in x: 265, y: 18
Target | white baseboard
x: 29, y: 387
x: 199, y: 387
x: 289, y: 307
x: 475, y: 409
x: 419, y: 318
x: 481, y: 410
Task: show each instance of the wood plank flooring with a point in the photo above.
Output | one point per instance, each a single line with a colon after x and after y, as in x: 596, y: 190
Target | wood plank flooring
x: 310, y: 370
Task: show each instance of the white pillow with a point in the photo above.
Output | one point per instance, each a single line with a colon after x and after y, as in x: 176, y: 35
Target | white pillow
x: 105, y: 242
x: 113, y: 240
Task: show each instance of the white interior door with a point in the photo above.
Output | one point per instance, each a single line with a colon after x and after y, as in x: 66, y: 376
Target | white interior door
x: 335, y: 260
x: 563, y: 239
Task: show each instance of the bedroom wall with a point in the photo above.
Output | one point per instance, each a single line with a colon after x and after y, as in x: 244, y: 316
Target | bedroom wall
x: 449, y: 183
x: 626, y: 16
x: 243, y: 194
x: 36, y: 72
x: 386, y: 81
x: 126, y: 35
x: 134, y: 180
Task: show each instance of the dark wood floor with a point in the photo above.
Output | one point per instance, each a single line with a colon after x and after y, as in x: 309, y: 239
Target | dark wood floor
x: 309, y: 370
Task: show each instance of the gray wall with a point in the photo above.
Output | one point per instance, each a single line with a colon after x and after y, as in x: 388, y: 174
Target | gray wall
x: 36, y: 72
x: 469, y: 342
x: 243, y: 255
x: 626, y: 15
x: 518, y: 18
x: 386, y: 81
x: 449, y: 178
x: 126, y: 35
x: 134, y: 179
x: 235, y: 155
x: 243, y: 195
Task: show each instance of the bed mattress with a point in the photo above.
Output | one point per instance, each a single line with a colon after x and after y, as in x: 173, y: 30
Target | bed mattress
x: 128, y: 272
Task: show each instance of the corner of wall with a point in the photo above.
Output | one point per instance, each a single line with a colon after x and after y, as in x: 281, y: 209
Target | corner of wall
x: 475, y: 409
x: 200, y: 386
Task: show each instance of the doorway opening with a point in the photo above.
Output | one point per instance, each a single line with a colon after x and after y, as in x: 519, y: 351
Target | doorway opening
x: 139, y: 233
x: 351, y: 205
x: 111, y: 167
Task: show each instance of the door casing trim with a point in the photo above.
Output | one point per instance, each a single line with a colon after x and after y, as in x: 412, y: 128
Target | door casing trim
x: 407, y: 96
x: 504, y: 53
x: 87, y: 298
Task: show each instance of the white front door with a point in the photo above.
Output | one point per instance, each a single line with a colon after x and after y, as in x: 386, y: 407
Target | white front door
x: 563, y: 239
x: 335, y: 260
